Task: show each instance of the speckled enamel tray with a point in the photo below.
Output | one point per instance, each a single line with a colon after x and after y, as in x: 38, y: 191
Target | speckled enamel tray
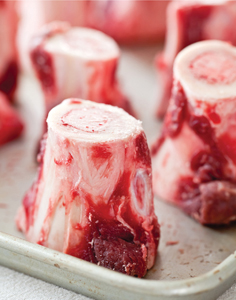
x: 193, y: 262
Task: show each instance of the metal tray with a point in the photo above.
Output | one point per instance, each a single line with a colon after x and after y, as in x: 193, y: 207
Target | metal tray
x: 193, y: 262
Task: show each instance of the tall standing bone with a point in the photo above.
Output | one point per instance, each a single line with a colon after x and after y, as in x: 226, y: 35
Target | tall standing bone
x: 93, y: 196
x: 194, y: 160
x: 189, y: 22
x: 76, y: 62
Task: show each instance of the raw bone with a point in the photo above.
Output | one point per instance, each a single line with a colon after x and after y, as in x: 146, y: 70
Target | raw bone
x: 11, y: 125
x: 73, y: 12
x: 93, y: 197
x: 76, y: 62
x: 194, y: 161
x: 188, y: 23
x: 127, y: 21
x: 8, y: 51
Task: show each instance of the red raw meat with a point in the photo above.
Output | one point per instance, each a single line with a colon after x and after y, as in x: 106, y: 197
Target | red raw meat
x: 8, y: 51
x: 11, y: 125
x: 194, y: 160
x: 93, y: 197
x: 76, y: 62
x: 187, y: 23
x: 130, y: 21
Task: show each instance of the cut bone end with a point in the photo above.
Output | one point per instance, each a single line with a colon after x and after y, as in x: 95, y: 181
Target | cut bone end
x: 89, y: 44
x: 88, y: 121
x: 207, y: 70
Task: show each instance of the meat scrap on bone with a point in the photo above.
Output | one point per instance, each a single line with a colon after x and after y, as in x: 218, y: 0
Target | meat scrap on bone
x: 194, y: 160
x: 11, y: 125
x: 76, y: 62
x: 8, y: 51
x: 129, y: 21
x: 189, y: 22
x: 93, y: 196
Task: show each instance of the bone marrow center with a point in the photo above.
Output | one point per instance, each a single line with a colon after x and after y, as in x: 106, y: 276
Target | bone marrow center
x: 214, y: 67
x: 89, y: 119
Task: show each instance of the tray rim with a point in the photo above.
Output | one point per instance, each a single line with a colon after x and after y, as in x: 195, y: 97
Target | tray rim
x: 182, y: 287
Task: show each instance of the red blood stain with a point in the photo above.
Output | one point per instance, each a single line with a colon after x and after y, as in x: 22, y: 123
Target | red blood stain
x: 213, y: 116
x: 30, y: 197
x: 64, y: 160
x: 174, y: 118
x: 101, y: 152
x: 192, y: 20
x: 201, y: 126
x: 172, y: 243
x: 141, y: 149
x: 78, y: 227
x: 42, y: 149
x: 42, y: 60
x: 29, y: 205
x: 176, y: 112
x: 8, y: 81
x: 123, y: 186
x: 43, y: 64
x: 75, y: 101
